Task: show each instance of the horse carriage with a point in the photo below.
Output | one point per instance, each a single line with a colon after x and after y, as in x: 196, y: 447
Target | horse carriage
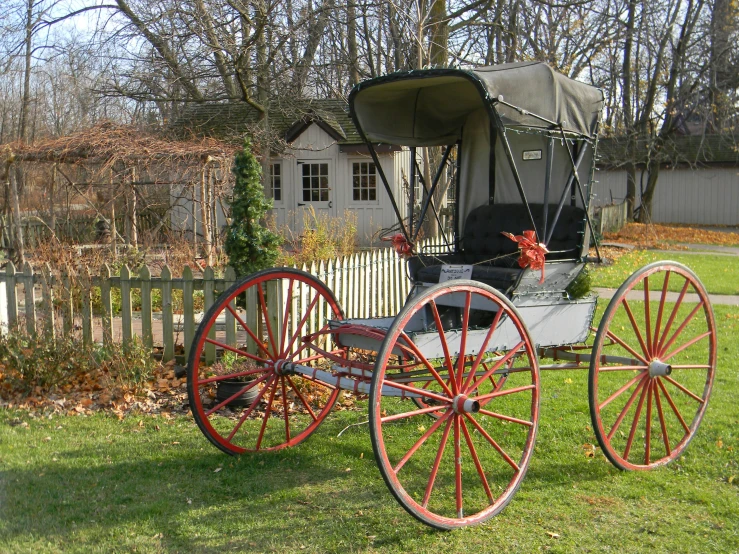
x: 453, y: 379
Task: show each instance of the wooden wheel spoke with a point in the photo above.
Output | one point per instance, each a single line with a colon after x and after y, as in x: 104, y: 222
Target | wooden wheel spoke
x: 662, y: 423
x: 286, y: 315
x: 679, y: 330
x: 437, y: 461
x: 423, y: 393
x: 662, y: 300
x: 483, y: 349
x: 688, y: 344
x: 412, y: 413
x: 648, y: 433
x: 476, y: 461
x: 626, y: 408
x: 506, y: 418
x: 300, y: 396
x: 299, y: 327
x: 286, y: 408
x: 265, y: 314
x: 444, y: 346
x: 682, y: 388
x: 234, y: 396
x: 672, y: 405
x: 246, y: 414
x: 516, y: 390
x: 463, y: 343
x: 647, y: 316
x: 673, y: 315
x: 237, y: 351
x: 475, y: 385
x: 634, y: 326
x: 635, y: 423
x: 236, y: 375
x: 493, y: 443
x: 249, y: 332
x: 624, y: 368
x: 633, y: 352
x: 430, y: 367
x: 620, y: 391
x: 267, y: 412
x: 431, y: 430
x: 458, y: 465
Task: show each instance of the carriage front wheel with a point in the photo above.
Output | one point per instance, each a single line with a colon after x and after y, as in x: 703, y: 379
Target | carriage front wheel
x: 240, y: 398
x: 652, y: 366
x: 463, y: 354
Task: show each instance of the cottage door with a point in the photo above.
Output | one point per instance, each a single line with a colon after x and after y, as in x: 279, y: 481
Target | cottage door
x: 314, y: 190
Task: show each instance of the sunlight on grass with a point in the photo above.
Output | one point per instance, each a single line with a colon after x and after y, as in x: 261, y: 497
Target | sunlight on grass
x: 150, y: 484
x: 719, y: 274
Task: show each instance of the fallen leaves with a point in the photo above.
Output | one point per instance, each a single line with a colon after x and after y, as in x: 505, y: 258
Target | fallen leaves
x: 83, y: 394
x: 660, y: 236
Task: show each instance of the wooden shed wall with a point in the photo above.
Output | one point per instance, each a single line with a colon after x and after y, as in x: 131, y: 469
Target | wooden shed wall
x: 706, y: 196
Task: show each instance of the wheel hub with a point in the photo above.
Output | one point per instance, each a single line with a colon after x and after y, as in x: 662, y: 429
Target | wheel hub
x: 659, y: 369
x: 283, y: 367
x: 464, y: 405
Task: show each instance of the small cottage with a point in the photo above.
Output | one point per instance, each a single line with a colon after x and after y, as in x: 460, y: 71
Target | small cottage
x: 318, y: 162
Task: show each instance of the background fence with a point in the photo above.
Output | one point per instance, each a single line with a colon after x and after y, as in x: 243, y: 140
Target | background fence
x: 164, y: 310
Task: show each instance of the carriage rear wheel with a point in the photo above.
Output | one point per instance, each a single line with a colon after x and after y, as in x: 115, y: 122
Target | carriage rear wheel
x: 652, y: 366
x: 462, y: 353
x: 240, y: 397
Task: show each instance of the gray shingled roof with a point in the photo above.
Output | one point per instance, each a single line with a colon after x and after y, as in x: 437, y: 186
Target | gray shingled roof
x: 231, y: 121
x: 681, y: 149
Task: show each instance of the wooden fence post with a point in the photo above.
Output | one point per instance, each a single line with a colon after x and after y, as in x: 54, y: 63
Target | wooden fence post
x: 47, y: 295
x: 147, y: 334
x: 87, y: 325
x: 12, y: 297
x: 126, y: 309
x: 68, y: 305
x: 167, y: 322
x: 29, y: 299
x: 209, y: 294
x: 107, y: 301
x: 188, y: 310
x: 230, y: 278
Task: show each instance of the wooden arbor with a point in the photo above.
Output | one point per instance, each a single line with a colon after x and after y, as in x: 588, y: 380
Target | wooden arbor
x: 115, y: 174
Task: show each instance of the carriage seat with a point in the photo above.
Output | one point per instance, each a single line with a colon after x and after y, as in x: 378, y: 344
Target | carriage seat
x: 495, y: 254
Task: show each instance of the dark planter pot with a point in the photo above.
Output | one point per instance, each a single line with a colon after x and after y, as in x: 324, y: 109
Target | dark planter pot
x: 229, y: 387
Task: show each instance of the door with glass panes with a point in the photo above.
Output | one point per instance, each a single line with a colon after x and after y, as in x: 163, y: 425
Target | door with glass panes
x: 314, y: 185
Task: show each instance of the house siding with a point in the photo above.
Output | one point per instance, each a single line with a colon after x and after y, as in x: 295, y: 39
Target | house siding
x: 706, y: 196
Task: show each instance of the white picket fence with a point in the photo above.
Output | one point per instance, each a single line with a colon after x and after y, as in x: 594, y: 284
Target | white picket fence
x: 366, y: 284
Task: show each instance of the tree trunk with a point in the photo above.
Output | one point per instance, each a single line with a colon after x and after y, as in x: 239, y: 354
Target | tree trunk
x: 631, y: 150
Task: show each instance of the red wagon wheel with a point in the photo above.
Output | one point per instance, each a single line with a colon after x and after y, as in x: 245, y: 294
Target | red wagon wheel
x: 463, y: 466
x: 245, y: 401
x: 652, y: 366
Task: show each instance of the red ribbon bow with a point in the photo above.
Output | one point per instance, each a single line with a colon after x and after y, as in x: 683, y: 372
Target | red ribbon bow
x: 532, y: 251
x: 401, y: 245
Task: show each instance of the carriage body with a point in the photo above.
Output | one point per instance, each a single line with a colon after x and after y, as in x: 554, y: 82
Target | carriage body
x: 453, y: 380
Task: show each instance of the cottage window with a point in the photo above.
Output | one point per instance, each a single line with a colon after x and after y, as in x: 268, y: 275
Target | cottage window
x: 315, y: 182
x: 364, y: 181
x: 275, y: 179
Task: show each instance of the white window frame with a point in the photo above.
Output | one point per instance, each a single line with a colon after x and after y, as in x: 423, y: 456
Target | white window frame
x: 374, y: 202
x: 271, y: 181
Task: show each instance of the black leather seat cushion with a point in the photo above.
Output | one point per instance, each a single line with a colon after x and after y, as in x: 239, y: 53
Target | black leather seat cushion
x: 485, y: 224
x: 495, y: 254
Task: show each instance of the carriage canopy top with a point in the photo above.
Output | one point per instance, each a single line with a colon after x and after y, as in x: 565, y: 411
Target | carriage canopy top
x: 430, y: 107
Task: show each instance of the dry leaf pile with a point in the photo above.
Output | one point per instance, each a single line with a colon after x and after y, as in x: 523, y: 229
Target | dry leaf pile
x: 666, y: 236
x: 98, y: 390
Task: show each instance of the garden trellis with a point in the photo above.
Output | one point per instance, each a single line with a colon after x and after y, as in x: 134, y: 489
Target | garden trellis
x: 124, y: 174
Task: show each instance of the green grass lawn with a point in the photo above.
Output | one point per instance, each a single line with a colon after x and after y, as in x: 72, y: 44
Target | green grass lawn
x: 150, y: 484
x: 719, y: 274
